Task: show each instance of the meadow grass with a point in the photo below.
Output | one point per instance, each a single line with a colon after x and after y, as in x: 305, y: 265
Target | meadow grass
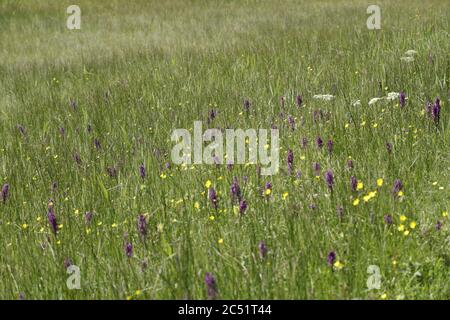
x: 137, y: 70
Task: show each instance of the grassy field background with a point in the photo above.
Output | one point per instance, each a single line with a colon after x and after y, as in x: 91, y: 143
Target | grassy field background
x: 139, y: 69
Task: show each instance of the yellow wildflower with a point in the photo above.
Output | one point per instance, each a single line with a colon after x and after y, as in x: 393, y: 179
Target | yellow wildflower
x: 208, y: 184
x: 379, y: 182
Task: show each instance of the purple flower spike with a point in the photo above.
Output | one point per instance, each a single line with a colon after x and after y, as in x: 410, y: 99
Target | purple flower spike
x: 142, y: 225
x: 211, y: 286
x: 329, y: 179
x: 402, y: 99
x: 330, y: 146
x: 88, y: 217
x: 5, y: 192
x: 52, y: 218
x: 97, y: 144
x: 398, y: 186
x: 242, y: 206
x: 128, y: 249
x: 435, y: 111
x: 291, y: 122
x: 388, y: 219
x: 290, y: 160
x: 350, y: 164
x: 299, y: 100
x: 212, y: 195
x: 247, y: 105
x: 319, y: 142
x: 142, y: 172
x: 262, y: 249
x: 389, y: 147
x: 353, y: 183
x: 235, y: 190
x: 331, y: 258
x: 212, y: 114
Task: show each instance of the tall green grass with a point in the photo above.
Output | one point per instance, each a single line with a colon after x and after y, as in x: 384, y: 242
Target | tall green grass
x: 138, y: 70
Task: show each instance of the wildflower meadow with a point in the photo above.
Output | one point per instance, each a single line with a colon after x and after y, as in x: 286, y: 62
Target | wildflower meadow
x: 120, y: 178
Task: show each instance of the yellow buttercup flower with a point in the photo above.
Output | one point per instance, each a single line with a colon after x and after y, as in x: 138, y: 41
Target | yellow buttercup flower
x: 338, y: 265
x: 413, y: 225
x: 400, y: 194
x: 268, y: 192
x: 285, y: 195
x: 406, y: 232
x: 24, y: 226
x: 445, y: 214
x: 220, y: 241
x: 379, y: 182
x: 403, y: 218
x: 208, y: 184
x: 211, y: 218
x: 355, y: 202
x: 401, y: 228
x: 197, y: 205
x: 360, y: 185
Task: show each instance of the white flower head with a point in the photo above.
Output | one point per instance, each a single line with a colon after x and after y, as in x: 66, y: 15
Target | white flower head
x: 407, y: 59
x: 374, y: 100
x: 325, y: 97
x: 410, y: 53
x: 393, y: 96
x: 357, y: 103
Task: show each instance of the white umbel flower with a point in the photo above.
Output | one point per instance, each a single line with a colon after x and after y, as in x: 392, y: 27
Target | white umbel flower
x: 393, y: 96
x: 410, y: 53
x: 325, y: 97
x: 374, y: 100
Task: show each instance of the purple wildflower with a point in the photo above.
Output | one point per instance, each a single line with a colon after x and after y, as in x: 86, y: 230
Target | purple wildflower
x: 52, y: 218
x: 142, y: 171
x: 142, y: 225
x: 262, y: 249
x: 128, y: 249
x: 350, y: 163
x: 438, y: 225
x: 389, y: 147
x: 299, y: 100
x: 388, y: 219
x: 235, y: 190
x: 353, y: 183
x: 330, y: 146
x: 319, y: 142
x: 331, y: 258
x: 290, y: 160
x: 329, y: 179
x: 67, y: 263
x: 211, y: 115
x: 97, y: 144
x: 212, y: 195
x: 398, y: 186
x: 402, y: 99
x: 211, y: 286
x: 5, y: 192
x: 436, y: 110
x: 88, y: 217
x: 247, y: 105
x: 291, y: 122
x: 242, y: 206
